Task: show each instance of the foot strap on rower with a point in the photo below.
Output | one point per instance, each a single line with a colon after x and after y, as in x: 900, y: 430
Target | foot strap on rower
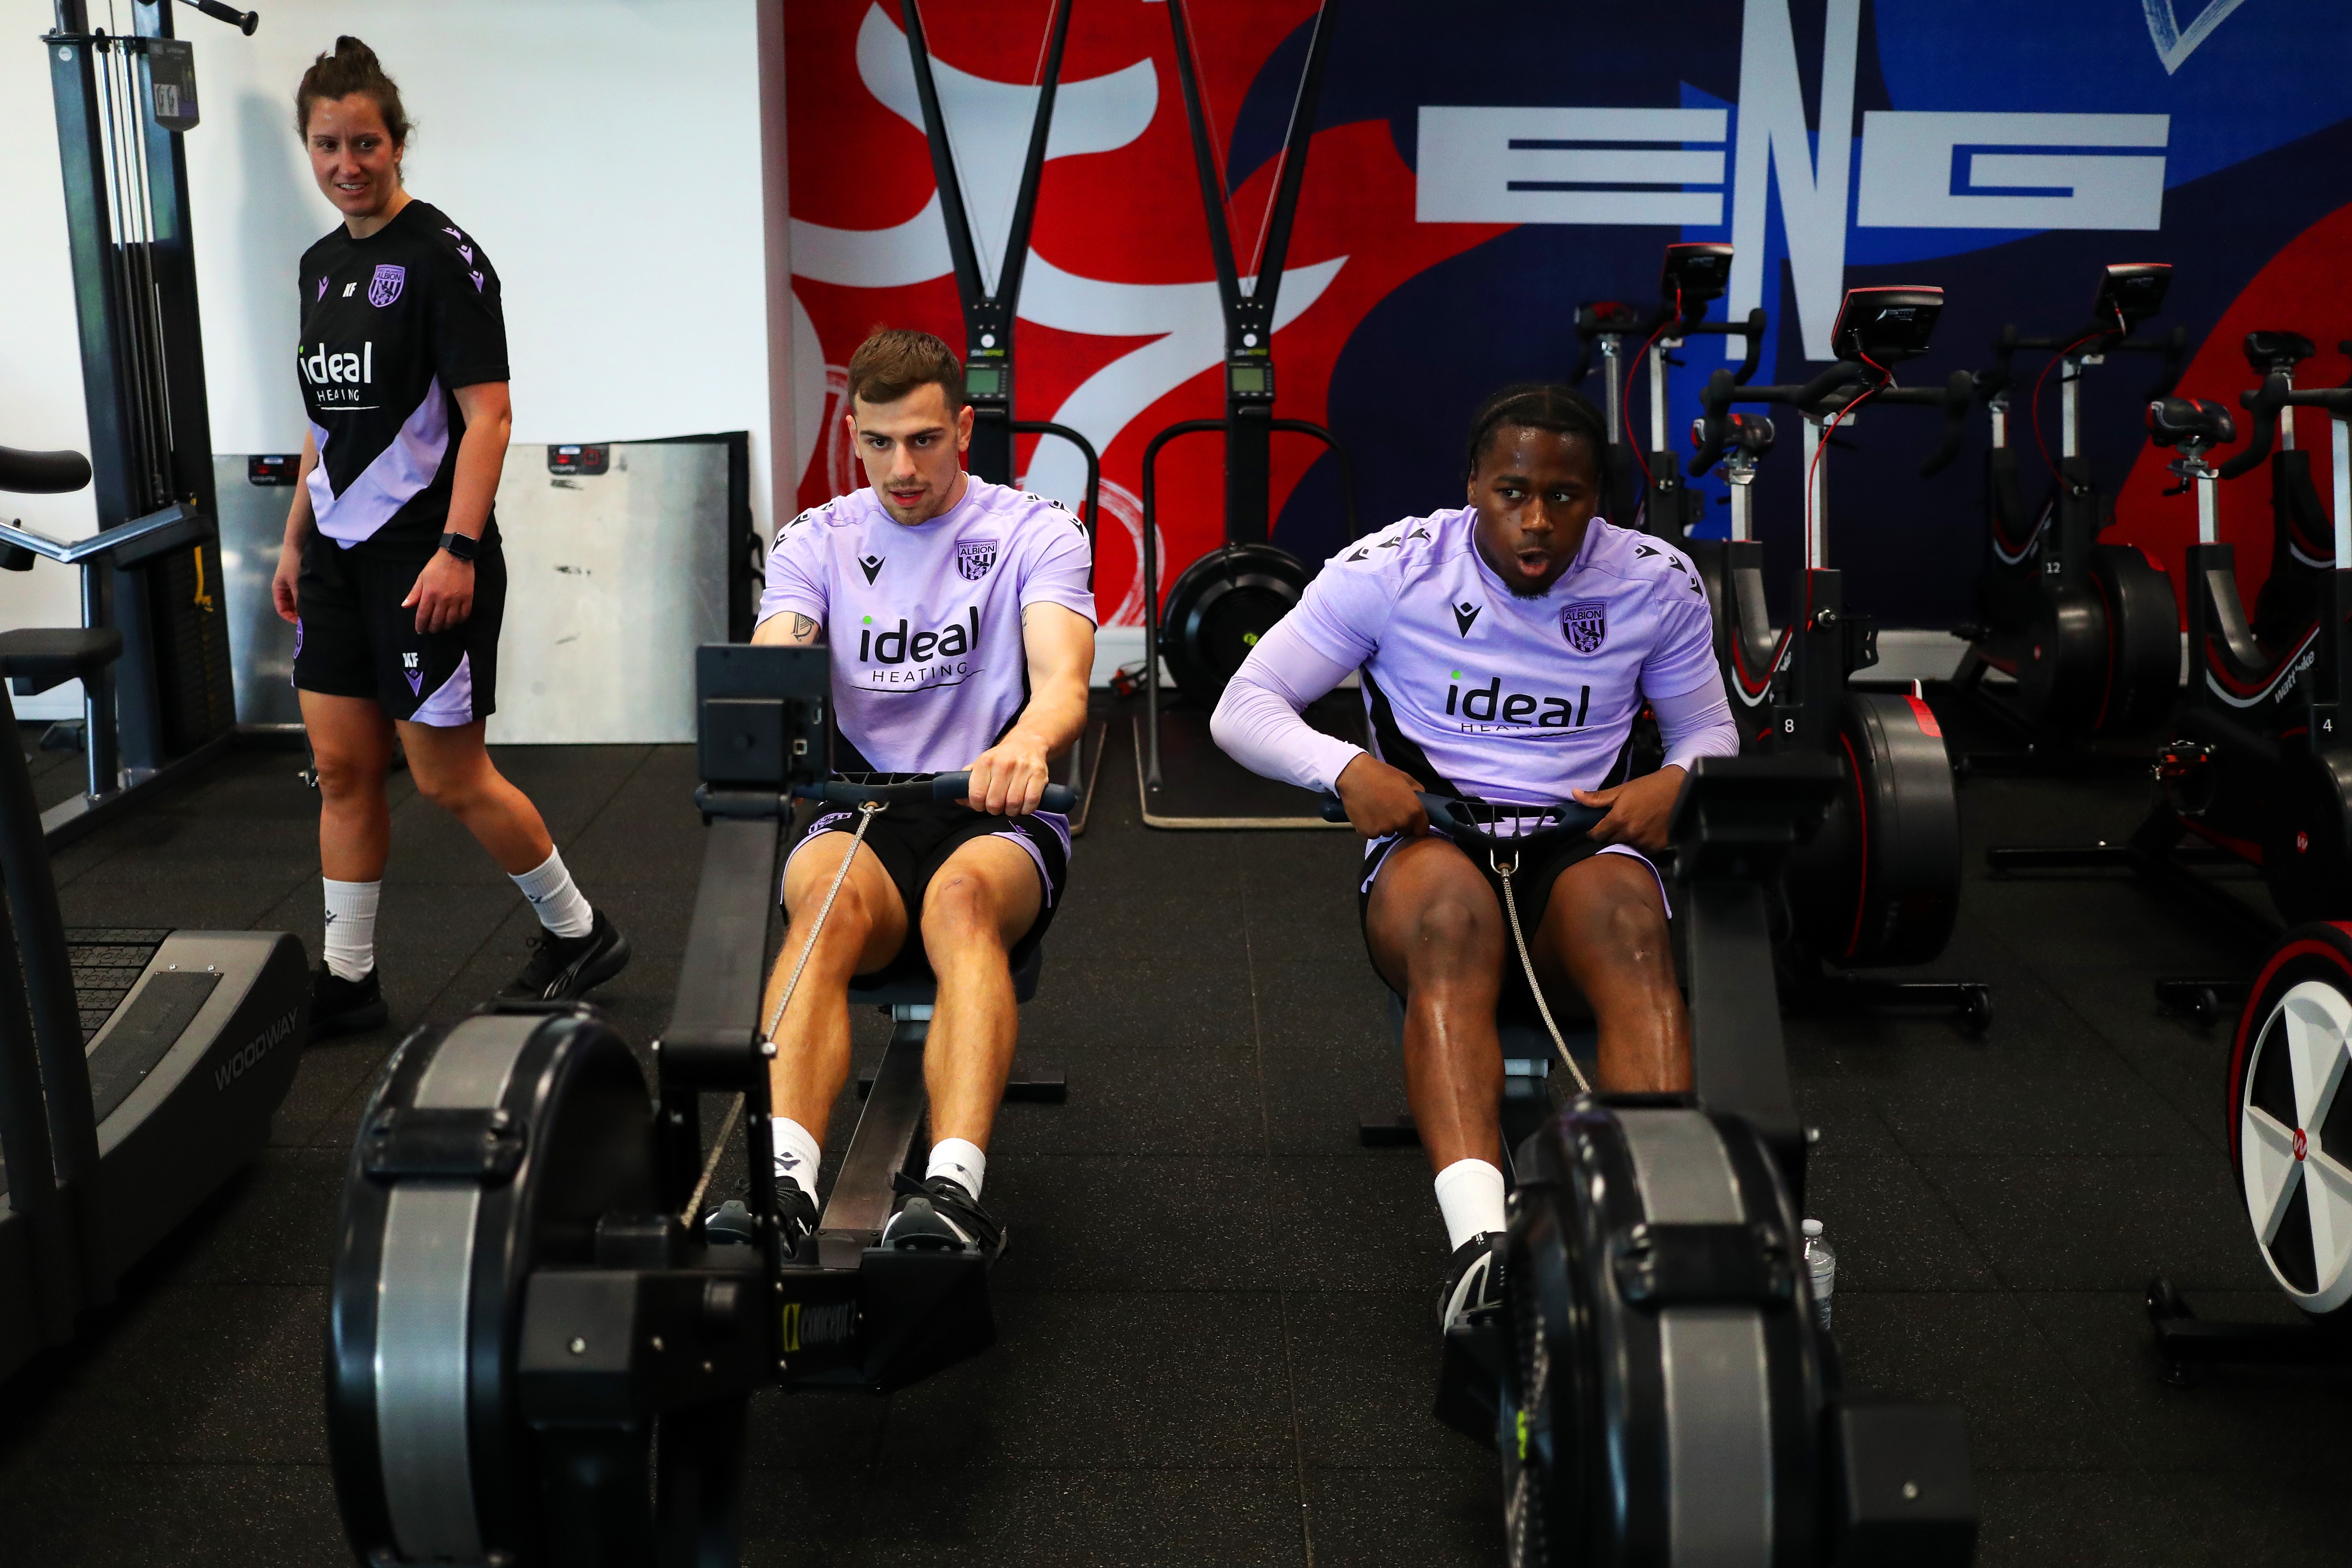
x: 1511, y: 907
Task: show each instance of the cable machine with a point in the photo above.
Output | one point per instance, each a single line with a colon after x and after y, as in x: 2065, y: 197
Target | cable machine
x: 1223, y: 602
x: 152, y: 570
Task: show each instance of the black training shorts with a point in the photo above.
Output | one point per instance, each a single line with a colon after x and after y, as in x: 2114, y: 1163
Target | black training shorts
x: 913, y: 840
x: 354, y: 640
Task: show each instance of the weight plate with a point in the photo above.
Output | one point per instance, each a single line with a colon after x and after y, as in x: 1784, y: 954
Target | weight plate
x: 2143, y: 630
x: 1880, y: 883
x: 1217, y: 610
x: 544, y: 1126
x: 2291, y: 1127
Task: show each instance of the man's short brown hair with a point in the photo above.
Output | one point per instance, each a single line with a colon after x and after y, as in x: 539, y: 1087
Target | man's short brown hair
x: 894, y: 362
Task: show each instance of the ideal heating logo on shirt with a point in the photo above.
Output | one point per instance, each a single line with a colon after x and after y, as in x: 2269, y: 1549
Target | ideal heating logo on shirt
x: 337, y: 379
x: 1480, y: 709
x: 910, y: 657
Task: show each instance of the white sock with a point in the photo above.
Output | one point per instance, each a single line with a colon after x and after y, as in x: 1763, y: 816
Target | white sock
x: 561, y: 907
x: 958, y: 1159
x: 1470, y: 1196
x: 351, y: 928
x: 796, y: 1152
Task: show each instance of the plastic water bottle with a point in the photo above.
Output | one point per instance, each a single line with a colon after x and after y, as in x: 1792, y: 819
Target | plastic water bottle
x: 1821, y: 1267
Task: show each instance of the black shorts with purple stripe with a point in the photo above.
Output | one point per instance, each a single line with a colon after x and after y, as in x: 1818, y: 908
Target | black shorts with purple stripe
x: 354, y: 637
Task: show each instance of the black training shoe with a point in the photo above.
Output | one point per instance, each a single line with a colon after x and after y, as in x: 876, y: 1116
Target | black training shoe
x: 341, y: 1006
x: 796, y: 1217
x: 563, y: 968
x: 941, y: 1215
x: 1472, y: 1296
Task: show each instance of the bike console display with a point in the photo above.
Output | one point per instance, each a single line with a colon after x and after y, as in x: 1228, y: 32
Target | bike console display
x: 1883, y: 325
x: 1694, y: 274
x: 2130, y: 293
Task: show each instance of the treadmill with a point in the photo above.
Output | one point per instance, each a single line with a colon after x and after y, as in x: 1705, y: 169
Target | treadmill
x: 137, y: 1068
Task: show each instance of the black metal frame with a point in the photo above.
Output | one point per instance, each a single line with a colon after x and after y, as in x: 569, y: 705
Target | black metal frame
x: 990, y: 318
x: 1810, y: 665
x: 2300, y: 757
x: 170, y: 702
x: 2056, y: 576
x: 1249, y: 425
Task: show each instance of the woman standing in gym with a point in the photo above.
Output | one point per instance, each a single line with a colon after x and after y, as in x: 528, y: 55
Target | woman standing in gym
x: 391, y: 570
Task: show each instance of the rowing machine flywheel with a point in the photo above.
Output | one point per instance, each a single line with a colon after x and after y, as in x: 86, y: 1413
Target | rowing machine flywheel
x: 1880, y: 883
x: 1664, y: 1390
x: 1217, y: 610
x: 487, y: 1149
x: 2291, y: 1121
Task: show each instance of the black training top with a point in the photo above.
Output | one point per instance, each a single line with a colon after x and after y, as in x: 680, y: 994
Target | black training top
x: 392, y: 325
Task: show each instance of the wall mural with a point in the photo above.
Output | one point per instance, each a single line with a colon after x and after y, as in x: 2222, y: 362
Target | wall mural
x: 1478, y: 172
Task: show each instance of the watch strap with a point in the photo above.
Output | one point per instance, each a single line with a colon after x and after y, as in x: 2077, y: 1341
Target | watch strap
x: 461, y: 545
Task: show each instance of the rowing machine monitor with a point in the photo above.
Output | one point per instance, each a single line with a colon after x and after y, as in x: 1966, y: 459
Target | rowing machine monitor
x: 2130, y: 293
x: 1883, y: 325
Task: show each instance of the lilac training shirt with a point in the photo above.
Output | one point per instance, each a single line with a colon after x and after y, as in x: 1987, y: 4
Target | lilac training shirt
x: 929, y: 667
x: 1469, y: 685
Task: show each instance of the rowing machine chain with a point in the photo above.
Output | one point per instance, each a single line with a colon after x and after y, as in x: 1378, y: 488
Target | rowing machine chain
x: 867, y: 812
x: 1511, y: 907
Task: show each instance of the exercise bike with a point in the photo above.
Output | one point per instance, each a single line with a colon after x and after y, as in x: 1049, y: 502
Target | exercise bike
x: 1695, y: 274
x: 1658, y: 1387
x: 139, y: 1069
x: 1879, y: 884
x: 2088, y: 632
x: 2260, y: 772
x: 1219, y: 605
x: 535, y: 1355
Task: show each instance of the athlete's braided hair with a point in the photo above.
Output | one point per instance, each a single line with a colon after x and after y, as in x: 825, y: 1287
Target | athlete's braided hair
x: 1540, y: 406
x: 352, y: 67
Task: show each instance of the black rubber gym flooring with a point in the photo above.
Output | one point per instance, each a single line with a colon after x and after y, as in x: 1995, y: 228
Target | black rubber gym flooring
x: 1217, y: 1319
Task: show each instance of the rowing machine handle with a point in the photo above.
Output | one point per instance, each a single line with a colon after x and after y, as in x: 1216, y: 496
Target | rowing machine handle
x: 939, y: 786
x: 1575, y: 817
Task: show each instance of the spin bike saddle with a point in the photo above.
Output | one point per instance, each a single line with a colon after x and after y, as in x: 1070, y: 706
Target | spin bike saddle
x: 2268, y: 352
x: 2189, y: 421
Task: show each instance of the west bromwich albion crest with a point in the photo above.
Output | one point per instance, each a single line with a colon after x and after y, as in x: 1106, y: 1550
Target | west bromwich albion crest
x: 384, y: 287
x: 1584, y: 624
x: 974, y: 557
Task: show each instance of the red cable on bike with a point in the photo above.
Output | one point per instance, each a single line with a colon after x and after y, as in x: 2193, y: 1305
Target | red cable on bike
x: 2036, y: 415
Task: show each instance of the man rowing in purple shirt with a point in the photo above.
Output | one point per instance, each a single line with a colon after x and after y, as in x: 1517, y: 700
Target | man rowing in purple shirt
x: 961, y: 619
x: 1504, y: 650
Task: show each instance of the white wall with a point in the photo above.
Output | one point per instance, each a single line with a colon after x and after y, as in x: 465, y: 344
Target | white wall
x: 605, y: 152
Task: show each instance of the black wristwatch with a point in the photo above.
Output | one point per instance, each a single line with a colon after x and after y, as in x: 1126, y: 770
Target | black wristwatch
x: 461, y: 545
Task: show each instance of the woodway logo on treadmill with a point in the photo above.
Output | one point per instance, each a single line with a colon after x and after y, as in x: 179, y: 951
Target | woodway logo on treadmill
x: 229, y: 1071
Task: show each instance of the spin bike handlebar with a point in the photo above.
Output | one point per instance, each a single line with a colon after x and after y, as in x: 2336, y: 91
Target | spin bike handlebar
x: 936, y: 787
x: 2277, y: 392
x: 1844, y: 384
x: 1575, y: 820
x: 2173, y: 347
